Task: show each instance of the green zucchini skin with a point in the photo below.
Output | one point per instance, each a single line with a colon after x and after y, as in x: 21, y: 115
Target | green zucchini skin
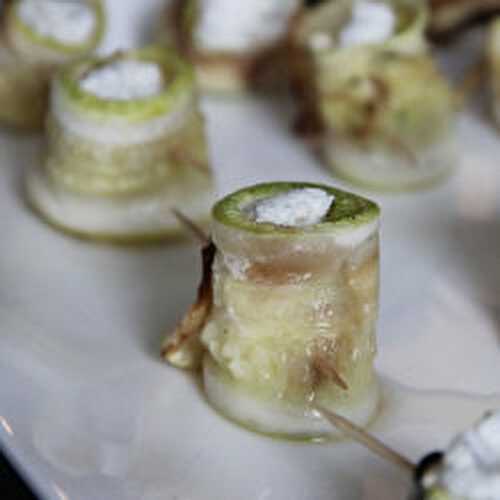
x: 28, y: 62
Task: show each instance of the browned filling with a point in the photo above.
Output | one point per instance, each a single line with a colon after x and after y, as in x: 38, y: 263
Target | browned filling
x: 324, y: 364
x: 186, y: 335
x: 254, y: 68
x: 329, y: 359
x: 3, y: 10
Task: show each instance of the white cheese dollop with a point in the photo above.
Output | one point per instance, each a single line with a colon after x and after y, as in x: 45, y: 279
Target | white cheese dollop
x: 71, y: 23
x: 296, y: 208
x: 231, y: 25
x: 124, y: 80
x: 371, y: 22
x: 471, y: 467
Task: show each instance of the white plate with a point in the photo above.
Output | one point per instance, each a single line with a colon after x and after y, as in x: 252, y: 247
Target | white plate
x: 88, y: 410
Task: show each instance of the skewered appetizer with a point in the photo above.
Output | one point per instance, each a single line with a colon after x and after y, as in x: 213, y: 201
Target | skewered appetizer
x: 450, y: 16
x: 126, y: 144
x: 234, y: 45
x: 287, y: 309
x: 384, y: 115
x: 468, y: 470
x: 39, y: 36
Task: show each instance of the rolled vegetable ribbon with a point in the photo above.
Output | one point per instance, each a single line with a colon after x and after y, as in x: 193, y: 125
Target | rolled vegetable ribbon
x: 385, y: 114
x: 114, y: 169
x: 292, y: 314
x: 318, y: 28
x: 469, y: 469
x: 28, y: 59
x: 256, y: 58
x: 389, y: 119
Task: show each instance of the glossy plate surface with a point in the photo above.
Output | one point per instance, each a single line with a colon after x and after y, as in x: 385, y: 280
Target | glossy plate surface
x: 89, y: 412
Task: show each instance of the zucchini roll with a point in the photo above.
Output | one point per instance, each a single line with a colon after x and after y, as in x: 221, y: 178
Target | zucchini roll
x: 384, y: 114
x: 468, y: 470
x: 234, y: 45
x: 287, y: 309
x: 125, y: 144
x: 39, y: 36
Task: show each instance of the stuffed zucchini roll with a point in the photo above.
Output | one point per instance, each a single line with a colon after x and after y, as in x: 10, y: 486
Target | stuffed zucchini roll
x: 39, y: 36
x: 384, y: 114
x: 395, y: 25
x: 389, y: 119
x: 287, y: 311
x: 126, y: 144
x: 468, y: 470
x: 234, y: 45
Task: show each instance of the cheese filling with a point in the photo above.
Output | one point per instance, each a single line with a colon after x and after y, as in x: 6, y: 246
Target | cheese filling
x: 71, y: 23
x: 228, y: 25
x: 296, y: 208
x: 124, y: 80
x: 371, y: 22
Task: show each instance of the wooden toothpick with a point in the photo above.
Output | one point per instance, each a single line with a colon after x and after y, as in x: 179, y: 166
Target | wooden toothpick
x: 193, y: 228
x: 367, y: 440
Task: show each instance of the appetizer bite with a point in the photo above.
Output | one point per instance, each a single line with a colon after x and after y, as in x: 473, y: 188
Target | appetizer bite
x: 468, y: 470
x: 383, y: 114
x: 39, y: 36
x: 234, y: 45
x: 287, y: 309
x: 449, y: 17
x: 125, y: 144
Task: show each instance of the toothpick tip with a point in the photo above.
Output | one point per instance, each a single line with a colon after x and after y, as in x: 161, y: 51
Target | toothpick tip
x: 366, y: 439
x: 189, y: 224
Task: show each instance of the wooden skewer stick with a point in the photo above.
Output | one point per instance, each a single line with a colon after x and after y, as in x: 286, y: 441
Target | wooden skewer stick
x: 367, y: 440
x: 200, y: 235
